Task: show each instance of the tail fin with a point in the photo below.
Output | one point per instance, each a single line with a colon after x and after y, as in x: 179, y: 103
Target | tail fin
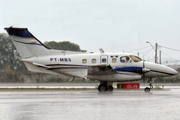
x: 26, y: 44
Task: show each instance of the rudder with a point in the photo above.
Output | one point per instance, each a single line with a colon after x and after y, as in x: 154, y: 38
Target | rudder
x: 26, y: 44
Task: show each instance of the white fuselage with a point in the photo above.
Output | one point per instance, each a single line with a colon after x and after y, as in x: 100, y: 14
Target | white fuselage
x: 80, y: 64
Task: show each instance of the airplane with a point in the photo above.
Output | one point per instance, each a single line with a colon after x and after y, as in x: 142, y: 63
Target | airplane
x: 105, y: 67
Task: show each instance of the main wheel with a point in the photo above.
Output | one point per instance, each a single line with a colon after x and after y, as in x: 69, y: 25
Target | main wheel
x: 102, y: 88
x: 147, y: 89
x: 110, y: 89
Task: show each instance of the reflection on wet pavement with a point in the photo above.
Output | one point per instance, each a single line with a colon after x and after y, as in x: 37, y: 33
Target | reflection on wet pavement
x: 89, y: 105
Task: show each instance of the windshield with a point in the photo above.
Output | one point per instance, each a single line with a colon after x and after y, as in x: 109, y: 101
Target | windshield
x: 135, y: 58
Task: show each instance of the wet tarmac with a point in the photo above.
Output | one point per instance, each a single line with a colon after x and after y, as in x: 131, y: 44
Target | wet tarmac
x: 90, y: 105
x: 79, y: 85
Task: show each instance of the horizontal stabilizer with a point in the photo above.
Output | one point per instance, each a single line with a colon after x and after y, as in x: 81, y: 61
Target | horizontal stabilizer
x: 20, y: 32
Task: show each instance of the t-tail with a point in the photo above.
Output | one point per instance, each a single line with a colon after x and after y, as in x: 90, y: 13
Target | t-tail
x: 26, y: 44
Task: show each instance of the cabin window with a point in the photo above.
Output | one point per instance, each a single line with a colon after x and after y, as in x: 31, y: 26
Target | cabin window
x: 135, y: 58
x: 93, y: 60
x: 114, y: 60
x: 84, y: 61
x: 124, y: 59
x: 104, y: 60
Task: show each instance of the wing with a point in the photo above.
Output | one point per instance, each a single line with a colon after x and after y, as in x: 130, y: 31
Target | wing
x: 101, y: 69
x: 79, y: 70
x: 70, y: 70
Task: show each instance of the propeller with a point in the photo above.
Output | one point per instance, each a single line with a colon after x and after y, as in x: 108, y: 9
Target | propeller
x: 143, y: 76
x: 144, y: 71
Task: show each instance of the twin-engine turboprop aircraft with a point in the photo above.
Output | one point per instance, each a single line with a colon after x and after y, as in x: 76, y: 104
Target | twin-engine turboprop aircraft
x: 105, y: 67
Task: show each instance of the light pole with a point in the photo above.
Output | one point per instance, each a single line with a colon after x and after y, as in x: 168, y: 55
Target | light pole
x: 154, y: 49
x: 160, y: 57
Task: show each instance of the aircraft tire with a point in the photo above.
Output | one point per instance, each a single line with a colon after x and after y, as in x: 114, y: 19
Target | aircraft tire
x: 102, y: 88
x: 110, y: 89
x: 147, y: 90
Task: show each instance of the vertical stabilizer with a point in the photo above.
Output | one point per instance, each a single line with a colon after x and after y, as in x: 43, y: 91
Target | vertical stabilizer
x: 26, y: 44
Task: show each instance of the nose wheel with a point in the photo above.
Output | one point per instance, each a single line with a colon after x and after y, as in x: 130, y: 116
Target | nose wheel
x: 148, y: 89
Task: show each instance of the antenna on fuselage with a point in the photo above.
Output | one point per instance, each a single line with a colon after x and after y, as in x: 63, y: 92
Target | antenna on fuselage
x: 101, y: 50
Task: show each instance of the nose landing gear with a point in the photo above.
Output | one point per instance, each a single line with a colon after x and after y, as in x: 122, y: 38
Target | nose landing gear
x: 147, y: 89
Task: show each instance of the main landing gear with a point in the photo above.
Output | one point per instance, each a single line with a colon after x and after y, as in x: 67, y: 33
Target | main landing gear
x: 105, y: 86
x: 147, y: 89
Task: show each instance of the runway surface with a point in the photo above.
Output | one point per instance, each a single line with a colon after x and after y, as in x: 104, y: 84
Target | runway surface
x: 90, y: 105
x: 78, y: 85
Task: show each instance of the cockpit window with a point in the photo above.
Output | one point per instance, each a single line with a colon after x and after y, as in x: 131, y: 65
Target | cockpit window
x: 124, y: 59
x: 135, y: 58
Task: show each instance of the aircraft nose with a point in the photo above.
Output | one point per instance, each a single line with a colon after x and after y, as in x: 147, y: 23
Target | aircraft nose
x: 157, y: 70
x: 173, y: 71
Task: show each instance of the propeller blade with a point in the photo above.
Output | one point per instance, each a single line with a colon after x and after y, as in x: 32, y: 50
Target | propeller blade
x: 143, y: 70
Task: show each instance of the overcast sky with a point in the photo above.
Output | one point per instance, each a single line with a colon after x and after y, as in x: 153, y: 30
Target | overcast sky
x: 113, y: 25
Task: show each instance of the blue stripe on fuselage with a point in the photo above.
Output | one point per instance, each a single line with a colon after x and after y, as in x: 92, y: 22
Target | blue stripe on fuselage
x: 137, y: 70
x: 129, y: 69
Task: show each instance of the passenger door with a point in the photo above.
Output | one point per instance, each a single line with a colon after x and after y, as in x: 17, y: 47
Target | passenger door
x: 104, y: 59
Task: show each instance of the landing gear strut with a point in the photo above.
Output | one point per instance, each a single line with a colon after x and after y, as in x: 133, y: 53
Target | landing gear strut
x: 105, y: 86
x: 147, y: 89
